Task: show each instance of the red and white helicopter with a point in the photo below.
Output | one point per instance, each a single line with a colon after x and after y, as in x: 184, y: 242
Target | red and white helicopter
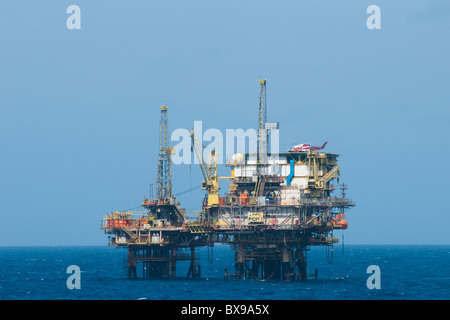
x: 305, y: 147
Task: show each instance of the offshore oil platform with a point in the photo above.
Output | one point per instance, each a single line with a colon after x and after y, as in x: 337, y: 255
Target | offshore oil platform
x: 277, y: 206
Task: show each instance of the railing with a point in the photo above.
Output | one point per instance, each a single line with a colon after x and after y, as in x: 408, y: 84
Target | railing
x: 329, y: 201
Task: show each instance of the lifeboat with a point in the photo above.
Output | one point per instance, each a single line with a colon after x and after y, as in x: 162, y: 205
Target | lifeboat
x: 340, y: 222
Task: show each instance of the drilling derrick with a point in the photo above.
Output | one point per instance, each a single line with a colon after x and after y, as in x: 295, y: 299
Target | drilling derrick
x: 164, y: 169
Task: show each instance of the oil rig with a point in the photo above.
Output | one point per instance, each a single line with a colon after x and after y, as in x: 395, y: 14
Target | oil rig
x: 278, y: 205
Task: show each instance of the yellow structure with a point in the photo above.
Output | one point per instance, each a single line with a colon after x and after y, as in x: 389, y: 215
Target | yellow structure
x: 256, y: 217
x: 210, y: 173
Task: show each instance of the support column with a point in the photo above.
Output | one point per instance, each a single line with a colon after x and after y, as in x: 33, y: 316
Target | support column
x: 286, y: 264
x: 131, y: 264
x: 173, y: 263
x: 240, y: 262
x: 301, y: 264
x: 255, y: 269
x: 194, y: 270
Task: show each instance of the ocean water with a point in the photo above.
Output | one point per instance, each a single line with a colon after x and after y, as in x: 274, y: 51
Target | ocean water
x: 406, y: 272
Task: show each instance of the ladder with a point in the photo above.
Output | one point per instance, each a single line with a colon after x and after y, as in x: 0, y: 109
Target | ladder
x: 131, y: 234
x: 327, y: 177
x: 196, y: 229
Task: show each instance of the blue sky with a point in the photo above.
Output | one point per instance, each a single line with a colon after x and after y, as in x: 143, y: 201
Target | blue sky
x: 79, y: 109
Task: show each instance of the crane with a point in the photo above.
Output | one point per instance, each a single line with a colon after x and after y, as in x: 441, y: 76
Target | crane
x: 210, y: 173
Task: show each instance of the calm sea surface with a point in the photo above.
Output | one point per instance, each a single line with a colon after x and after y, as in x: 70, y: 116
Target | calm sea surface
x: 407, y: 272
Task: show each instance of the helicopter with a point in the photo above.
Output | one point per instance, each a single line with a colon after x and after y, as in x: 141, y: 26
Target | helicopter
x: 305, y: 147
